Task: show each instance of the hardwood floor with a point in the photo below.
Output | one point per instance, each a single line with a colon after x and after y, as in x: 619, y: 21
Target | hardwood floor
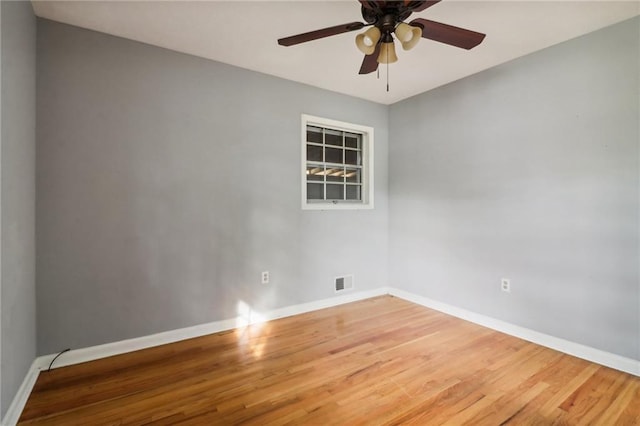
x: 378, y: 361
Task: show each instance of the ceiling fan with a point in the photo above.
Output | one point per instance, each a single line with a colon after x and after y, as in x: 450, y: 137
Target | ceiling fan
x: 385, y: 18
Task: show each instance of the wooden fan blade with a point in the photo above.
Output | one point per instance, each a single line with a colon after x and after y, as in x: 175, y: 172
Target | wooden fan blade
x: 366, y: 4
x: 448, y: 34
x: 325, y: 32
x: 371, y: 10
x: 374, y: 5
x: 370, y: 62
x: 423, y: 5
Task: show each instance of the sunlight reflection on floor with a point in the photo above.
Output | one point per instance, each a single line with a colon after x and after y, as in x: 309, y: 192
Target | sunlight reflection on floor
x: 252, y: 330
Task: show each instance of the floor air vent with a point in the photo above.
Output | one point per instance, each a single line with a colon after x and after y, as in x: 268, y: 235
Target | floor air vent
x: 344, y: 283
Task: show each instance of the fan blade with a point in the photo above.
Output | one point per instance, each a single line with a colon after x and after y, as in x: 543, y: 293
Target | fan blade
x: 376, y: 6
x: 448, y: 34
x: 424, y: 5
x: 366, y: 4
x: 370, y: 62
x: 325, y: 32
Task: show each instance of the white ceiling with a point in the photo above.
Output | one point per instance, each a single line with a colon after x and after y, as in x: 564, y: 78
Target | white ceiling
x: 244, y: 33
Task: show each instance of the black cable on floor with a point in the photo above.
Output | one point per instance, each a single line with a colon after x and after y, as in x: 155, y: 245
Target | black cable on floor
x: 56, y: 357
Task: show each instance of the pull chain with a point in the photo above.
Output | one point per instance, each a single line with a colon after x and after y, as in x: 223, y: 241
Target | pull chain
x: 387, y: 74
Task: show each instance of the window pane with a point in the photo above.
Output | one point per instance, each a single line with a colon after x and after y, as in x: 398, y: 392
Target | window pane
x: 335, y: 175
x: 335, y: 192
x: 315, y: 173
x: 353, y: 175
x: 314, y: 191
x: 333, y: 155
x: 334, y: 167
x: 314, y: 153
x: 352, y: 157
x: 352, y: 140
x: 333, y: 137
x: 353, y: 192
x: 314, y: 134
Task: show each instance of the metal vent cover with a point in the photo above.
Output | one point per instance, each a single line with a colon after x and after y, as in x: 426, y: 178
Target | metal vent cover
x: 344, y: 283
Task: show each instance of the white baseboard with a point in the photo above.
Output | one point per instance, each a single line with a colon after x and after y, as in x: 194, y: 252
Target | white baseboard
x: 77, y: 356
x: 17, y: 405
x: 109, y: 349
x: 588, y: 353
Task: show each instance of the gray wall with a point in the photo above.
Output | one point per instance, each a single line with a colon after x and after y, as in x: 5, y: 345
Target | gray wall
x: 17, y: 279
x: 166, y: 183
x: 528, y: 171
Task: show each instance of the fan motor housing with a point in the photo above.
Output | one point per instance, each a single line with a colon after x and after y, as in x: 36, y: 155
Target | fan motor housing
x: 386, y: 18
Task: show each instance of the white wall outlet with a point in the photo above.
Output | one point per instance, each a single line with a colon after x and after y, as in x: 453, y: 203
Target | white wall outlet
x: 265, y: 277
x: 505, y: 285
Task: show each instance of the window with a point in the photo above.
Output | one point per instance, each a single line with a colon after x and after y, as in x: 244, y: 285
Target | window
x: 337, y: 164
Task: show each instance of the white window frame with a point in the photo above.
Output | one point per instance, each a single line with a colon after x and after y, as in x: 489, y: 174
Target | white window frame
x: 367, y: 188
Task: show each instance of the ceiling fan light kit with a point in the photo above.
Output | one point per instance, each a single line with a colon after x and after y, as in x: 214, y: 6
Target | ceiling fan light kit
x: 368, y: 40
x: 387, y: 52
x: 407, y: 35
x: 387, y: 18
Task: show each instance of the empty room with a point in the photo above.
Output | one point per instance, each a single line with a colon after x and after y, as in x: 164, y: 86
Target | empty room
x: 320, y: 212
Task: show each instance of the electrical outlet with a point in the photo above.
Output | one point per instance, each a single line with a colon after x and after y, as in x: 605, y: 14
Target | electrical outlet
x: 505, y: 285
x: 265, y: 277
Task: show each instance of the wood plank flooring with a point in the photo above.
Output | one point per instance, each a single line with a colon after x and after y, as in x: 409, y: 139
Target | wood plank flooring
x: 378, y: 361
